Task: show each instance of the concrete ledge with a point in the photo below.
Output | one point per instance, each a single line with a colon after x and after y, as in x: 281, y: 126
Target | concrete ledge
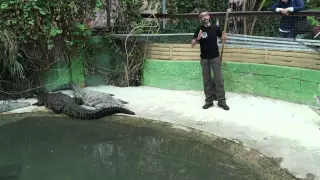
x: 286, y: 83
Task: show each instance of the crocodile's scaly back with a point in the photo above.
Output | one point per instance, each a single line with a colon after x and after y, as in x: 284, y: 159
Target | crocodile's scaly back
x: 62, y: 103
x: 98, y: 99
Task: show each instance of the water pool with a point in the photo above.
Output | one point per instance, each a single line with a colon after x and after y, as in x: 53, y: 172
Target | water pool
x: 123, y: 148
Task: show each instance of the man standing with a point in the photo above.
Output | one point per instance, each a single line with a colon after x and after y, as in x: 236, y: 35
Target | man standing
x: 207, y: 35
x: 287, y: 23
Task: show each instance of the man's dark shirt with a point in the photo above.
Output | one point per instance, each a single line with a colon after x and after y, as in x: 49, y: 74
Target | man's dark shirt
x: 208, y: 42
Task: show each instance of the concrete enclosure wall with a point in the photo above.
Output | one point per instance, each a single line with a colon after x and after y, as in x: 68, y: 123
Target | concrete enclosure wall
x: 283, y: 74
x: 286, y: 83
x: 178, y: 68
x: 62, y: 73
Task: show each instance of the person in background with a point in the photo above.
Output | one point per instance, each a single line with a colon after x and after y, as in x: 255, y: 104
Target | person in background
x: 207, y: 35
x: 287, y: 23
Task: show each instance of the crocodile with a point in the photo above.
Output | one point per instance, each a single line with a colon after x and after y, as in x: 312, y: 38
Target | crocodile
x: 62, y: 103
x: 96, y: 99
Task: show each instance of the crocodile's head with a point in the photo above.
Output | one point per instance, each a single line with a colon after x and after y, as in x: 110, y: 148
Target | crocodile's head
x: 75, y: 86
x: 39, y: 95
x: 77, y: 91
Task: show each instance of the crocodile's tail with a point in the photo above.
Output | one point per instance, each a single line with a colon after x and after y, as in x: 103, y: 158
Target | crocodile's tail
x: 113, y: 110
x: 96, y: 114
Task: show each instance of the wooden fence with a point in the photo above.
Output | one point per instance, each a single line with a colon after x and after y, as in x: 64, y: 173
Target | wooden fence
x: 301, y: 59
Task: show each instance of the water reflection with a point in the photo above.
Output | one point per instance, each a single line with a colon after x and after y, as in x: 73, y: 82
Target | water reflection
x: 60, y: 148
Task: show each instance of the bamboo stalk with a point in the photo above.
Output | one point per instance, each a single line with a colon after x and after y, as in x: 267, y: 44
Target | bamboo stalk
x: 225, y: 31
x: 245, y: 18
x: 255, y: 18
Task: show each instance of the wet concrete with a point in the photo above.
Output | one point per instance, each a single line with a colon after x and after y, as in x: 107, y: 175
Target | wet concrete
x: 123, y: 148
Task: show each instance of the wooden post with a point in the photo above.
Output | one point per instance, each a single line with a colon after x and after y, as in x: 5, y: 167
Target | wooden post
x: 225, y: 30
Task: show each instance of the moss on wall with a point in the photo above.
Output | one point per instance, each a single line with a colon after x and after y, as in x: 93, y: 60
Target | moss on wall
x: 281, y: 82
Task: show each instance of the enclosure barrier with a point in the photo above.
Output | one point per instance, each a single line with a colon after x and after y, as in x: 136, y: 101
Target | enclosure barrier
x: 291, y: 74
x: 302, y: 59
x: 286, y: 69
x: 233, y: 14
x: 260, y: 63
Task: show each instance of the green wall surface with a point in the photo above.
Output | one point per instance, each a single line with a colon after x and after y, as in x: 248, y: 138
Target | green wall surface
x: 58, y: 76
x: 286, y: 83
x: 103, y: 58
x: 77, y: 70
x: 62, y: 74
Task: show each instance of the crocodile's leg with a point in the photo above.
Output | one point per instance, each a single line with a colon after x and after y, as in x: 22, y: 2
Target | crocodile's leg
x: 57, y: 111
x: 91, y: 104
x: 39, y: 103
x: 123, y: 102
x: 97, y: 106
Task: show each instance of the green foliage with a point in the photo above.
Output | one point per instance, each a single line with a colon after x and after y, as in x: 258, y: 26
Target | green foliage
x: 128, y: 16
x: 314, y: 21
x: 45, y: 20
x: 314, y: 4
x: 9, y: 54
x: 34, y: 34
x: 190, y: 6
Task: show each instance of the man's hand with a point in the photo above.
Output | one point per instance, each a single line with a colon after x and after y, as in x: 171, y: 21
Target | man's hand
x: 199, y: 35
x: 224, y: 37
x: 284, y: 11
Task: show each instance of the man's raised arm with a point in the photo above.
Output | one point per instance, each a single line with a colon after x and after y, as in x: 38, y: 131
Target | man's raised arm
x: 196, y: 37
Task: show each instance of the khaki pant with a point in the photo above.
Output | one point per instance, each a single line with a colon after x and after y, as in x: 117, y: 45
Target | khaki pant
x: 213, y: 87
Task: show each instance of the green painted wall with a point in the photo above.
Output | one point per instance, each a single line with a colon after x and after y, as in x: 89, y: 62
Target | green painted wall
x: 281, y: 82
x: 61, y: 74
x: 58, y: 76
x: 77, y: 70
x: 101, y: 56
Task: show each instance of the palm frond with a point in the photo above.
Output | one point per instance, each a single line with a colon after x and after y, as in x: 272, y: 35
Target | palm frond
x: 9, y: 50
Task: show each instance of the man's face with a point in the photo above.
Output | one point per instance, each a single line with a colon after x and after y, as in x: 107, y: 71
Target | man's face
x: 284, y: 1
x: 204, y: 17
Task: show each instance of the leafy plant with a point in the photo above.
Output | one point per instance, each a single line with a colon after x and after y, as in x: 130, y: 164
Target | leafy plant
x: 35, y: 34
x: 313, y: 20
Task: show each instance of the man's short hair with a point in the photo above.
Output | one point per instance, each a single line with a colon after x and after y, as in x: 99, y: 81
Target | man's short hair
x: 201, y: 11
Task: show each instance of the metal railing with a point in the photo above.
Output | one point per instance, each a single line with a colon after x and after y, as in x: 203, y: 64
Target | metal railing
x: 234, y: 40
x: 234, y: 14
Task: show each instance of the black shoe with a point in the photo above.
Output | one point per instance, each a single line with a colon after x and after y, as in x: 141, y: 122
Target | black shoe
x: 223, y: 105
x: 207, y: 105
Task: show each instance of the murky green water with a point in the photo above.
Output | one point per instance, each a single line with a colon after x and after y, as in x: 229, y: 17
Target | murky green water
x: 123, y: 148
